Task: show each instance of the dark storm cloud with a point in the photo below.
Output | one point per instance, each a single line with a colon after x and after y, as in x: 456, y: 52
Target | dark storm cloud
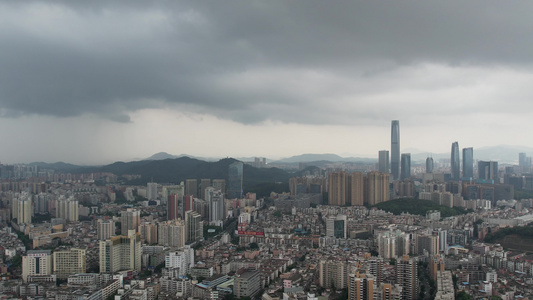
x: 293, y: 61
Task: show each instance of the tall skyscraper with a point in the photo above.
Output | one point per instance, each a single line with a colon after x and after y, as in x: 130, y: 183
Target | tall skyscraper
x: 429, y: 165
x: 524, y: 162
x: 406, y: 165
x: 383, y: 161
x: 395, y: 150
x: 468, y: 162
x: 235, y: 180
x: 455, y: 162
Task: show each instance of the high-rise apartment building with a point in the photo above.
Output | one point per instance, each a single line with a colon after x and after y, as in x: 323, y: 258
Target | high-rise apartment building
x: 191, y: 187
x: 130, y: 219
x: 429, y: 243
x: 148, y: 231
x: 36, y: 262
x: 333, y: 273
x: 361, y: 286
x: 151, y: 190
x: 194, y: 226
x: 183, y: 260
x: 235, y: 180
x: 121, y: 253
x: 173, y: 207
x: 105, y: 229
x: 377, y: 188
x: 395, y: 150
x: 383, y: 161
x: 171, y: 233
x: 215, y: 202
x: 357, y: 188
x: 69, y: 262
x: 406, y: 166
x: 429, y: 165
x: 67, y: 209
x: 468, y: 162
x: 338, y: 191
x: 392, y: 244
x: 178, y: 190
x: 455, y: 162
x: 407, y: 277
x: 22, y: 208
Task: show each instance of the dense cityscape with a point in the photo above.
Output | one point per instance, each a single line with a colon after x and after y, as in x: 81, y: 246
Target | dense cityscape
x: 451, y: 229
x: 266, y: 150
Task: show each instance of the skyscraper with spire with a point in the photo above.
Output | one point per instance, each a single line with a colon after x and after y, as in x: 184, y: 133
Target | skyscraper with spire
x: 395, y: 149
x: 455, y: 162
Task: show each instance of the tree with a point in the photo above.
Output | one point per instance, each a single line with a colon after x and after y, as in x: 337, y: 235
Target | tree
x: 462, y: 295
x: 254, y: 245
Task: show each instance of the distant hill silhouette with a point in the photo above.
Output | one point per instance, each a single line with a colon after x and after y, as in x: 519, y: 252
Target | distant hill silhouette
x: 328, y: 157
x: 179, y: 169
x: 58, y: 166
x: 161, y: 156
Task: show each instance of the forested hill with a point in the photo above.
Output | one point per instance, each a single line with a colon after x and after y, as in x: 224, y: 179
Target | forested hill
x: 418, y: 207
x: 180, y: 169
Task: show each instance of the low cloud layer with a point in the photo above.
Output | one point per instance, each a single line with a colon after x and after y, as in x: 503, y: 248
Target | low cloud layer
x: 93, y: 81
x: 309, y: 62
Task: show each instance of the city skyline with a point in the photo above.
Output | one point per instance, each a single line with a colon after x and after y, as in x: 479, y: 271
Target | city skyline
x: 99, y: 82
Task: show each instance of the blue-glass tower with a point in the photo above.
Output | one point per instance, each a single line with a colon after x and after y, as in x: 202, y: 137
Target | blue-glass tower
x: 455, y: 162
x: 468, y: 162
x: 235, y: 179
x: 395, y: 149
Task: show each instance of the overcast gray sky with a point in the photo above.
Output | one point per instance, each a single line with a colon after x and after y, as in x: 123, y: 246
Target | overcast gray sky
x: 99, y: 81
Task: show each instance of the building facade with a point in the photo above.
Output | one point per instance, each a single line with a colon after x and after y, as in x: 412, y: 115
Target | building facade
x: 395, y: 149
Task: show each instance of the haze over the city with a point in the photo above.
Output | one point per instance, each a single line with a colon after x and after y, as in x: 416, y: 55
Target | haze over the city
x: 95, y: 82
